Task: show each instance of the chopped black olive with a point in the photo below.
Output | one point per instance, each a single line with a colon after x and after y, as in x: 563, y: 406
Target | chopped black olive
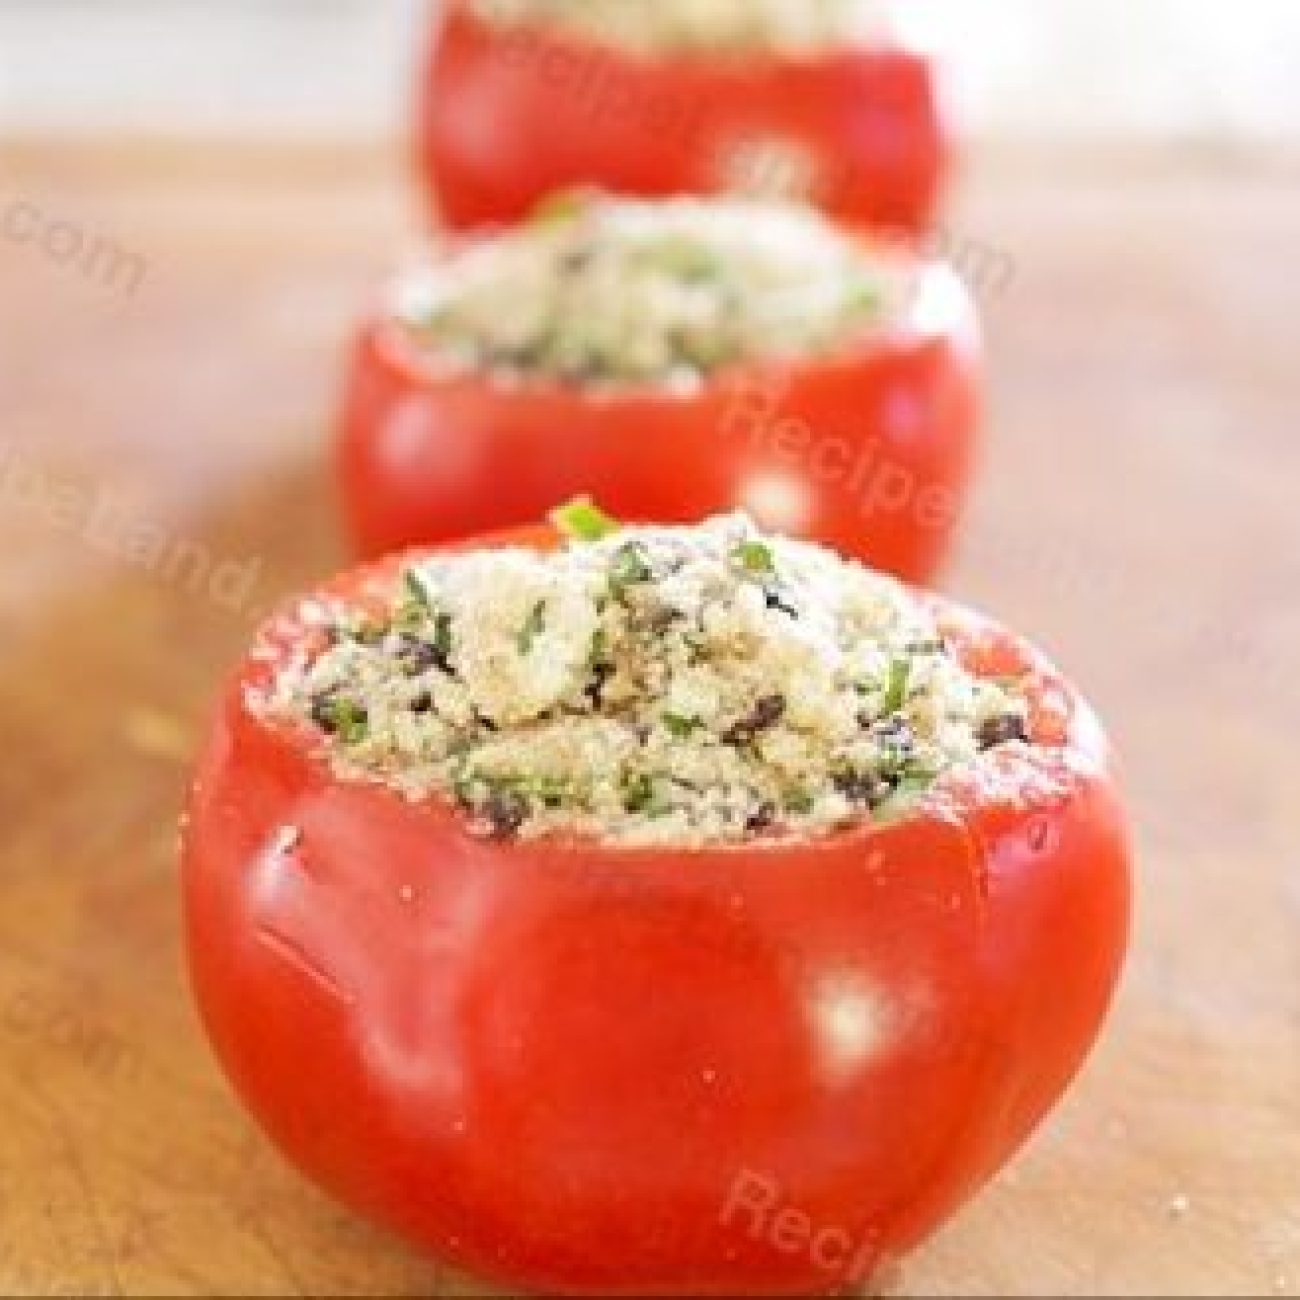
x: 662, y: 620
x: 595, y: 688
x: 766, y: 713
x: 322, y: 711
x: 762, y: 818
x: 423, y: 703
x: 416, y: 656
x: 506, y: 810
x: 775, y: 600
x: 1001, y: 730
x: 861, y: 787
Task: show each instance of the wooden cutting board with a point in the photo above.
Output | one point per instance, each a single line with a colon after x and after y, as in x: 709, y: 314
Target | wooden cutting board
x: 169, y: 359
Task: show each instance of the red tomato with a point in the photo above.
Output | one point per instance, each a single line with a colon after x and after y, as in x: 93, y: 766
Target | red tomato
x: 869, y: 452
x: 582, y: 1069
x: 508, y: 116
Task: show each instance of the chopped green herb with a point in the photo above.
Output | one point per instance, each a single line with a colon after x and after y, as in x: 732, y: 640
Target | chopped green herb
x: 342, y: 717
x: 755, y: 557
x: 629, y: 567
x: 533, y: 627
x: 900, y: 670
x: 417, y: 593
x: 864, y: 299
x: 798, y: 800
x: 552, y: 791
x: 681, y: 726
x: 559, y: 208
x: 475, y: 788
x: 639, y: 793
x: 583, y: 520
x: 442, y: 634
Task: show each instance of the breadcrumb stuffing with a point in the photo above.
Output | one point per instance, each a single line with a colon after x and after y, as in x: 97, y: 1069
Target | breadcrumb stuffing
x: 660, y: 685
x: 599, y: 292
x: 656, y: 27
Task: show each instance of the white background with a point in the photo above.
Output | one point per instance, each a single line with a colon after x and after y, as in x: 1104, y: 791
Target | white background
x: 1201, y: 70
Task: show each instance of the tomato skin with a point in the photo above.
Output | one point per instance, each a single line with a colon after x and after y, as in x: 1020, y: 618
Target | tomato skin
x: 584, y: 1070
x: 870, y: 452
x: 507, y: 117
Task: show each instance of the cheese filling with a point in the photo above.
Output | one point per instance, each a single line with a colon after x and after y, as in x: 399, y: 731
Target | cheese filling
x: 599, y: 292
x: 664, y: 27
x: 671, y: 686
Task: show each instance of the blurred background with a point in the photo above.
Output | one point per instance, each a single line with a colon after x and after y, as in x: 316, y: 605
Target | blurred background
x: 220, y: 186
x: 1158, y: 70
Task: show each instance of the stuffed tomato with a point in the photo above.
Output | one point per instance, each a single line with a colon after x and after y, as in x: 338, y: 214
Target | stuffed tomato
x: 676, y: 911
x: 813, y: 99
x: 674, y: 359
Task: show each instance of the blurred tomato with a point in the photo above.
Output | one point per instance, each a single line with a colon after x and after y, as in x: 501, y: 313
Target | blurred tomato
x: 509, y: 114
x: 869, y: 451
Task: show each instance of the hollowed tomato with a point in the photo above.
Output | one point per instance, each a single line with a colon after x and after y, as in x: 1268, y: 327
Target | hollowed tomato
x: 583, y: 1069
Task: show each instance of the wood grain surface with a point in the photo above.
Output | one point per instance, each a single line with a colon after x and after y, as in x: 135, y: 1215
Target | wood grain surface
x: 165, y: 401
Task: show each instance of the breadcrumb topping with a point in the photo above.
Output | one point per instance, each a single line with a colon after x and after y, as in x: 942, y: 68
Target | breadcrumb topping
x: 602, y: 292
x: 656, y: 27
x: 666, y: 685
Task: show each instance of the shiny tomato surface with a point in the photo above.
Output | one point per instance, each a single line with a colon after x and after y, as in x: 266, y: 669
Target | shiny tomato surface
x: 582, y: 1069
x: 870, y: 451
x: 506, y: 116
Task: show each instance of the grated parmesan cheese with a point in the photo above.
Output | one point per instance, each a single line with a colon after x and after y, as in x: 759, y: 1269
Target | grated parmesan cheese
x: 685, y: 685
